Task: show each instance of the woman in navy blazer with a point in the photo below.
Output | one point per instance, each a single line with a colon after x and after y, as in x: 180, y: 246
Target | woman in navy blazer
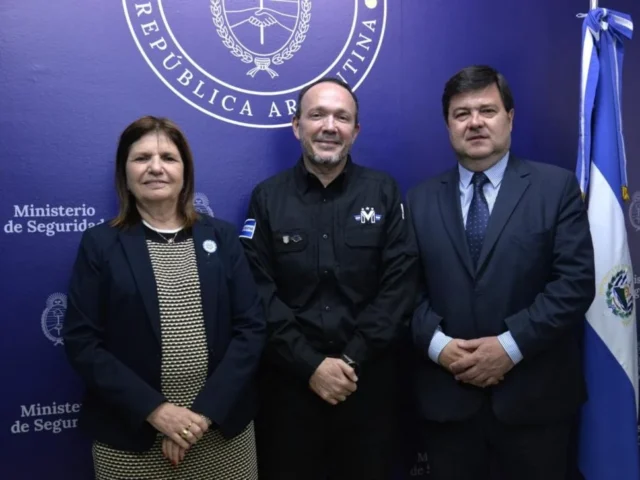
x: 164, y: 324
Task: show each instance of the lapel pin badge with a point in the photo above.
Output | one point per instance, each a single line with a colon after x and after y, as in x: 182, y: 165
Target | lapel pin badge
x: 285, y: 239
x: 209, y: 246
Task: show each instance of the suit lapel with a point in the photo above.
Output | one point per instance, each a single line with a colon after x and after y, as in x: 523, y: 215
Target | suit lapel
x: 135, y: 248
x: 513, y: 186
x: 209, y: 269
x: 449, y: 199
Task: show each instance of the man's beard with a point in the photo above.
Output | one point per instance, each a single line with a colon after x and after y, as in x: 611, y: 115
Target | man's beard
x: 326, y: 159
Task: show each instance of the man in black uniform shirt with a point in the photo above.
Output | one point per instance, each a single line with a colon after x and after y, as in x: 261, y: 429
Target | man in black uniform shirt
x: 330, y: 251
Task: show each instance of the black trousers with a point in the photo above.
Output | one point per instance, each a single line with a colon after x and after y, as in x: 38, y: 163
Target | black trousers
x: 301, y: 437
x: 484, y: 448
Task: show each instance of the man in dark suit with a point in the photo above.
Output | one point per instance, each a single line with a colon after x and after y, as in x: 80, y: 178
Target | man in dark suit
x: 507, y: 263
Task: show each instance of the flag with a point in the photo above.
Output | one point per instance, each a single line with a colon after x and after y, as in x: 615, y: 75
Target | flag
x: 608, y: 435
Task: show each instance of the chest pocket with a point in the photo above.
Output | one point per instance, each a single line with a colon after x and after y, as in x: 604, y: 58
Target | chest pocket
x: 292, y: 254
x: 290, y: 241
x: 533, y: 241
x: 363, y: 256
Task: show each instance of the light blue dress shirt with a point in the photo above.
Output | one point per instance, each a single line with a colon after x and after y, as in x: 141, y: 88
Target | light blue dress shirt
x: 490, y: 190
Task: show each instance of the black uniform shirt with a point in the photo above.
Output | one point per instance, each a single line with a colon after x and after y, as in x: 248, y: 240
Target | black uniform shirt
x: 334, y: 265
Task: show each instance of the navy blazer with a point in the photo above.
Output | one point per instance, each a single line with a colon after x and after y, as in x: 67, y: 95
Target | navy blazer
x: 112, y: 333
x: 535, y: 277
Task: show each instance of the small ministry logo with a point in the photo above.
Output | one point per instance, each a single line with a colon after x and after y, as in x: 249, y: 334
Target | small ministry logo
x: 634, y: 211
x: 244, y: 61
x: 53, y: 317
x: 201, y: 204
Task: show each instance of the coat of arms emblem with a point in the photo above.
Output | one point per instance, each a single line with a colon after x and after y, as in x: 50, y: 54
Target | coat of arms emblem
x: 634, y: 211
x: 53, y: 317
x: 245, y: 61
x: 263, y: 33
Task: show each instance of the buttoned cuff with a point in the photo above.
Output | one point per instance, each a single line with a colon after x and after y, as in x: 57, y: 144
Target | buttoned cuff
x: 510, y: 346
x: 437, y: 344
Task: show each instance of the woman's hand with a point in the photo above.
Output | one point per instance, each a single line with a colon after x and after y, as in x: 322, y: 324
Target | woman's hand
x: 179, y: 424
x: 172, y: 451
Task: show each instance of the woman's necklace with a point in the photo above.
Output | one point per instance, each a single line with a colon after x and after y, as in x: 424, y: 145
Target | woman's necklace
x: 169, y: 240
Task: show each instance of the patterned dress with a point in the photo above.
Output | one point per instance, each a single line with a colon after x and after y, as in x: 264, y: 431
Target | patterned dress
x: 184, y: 372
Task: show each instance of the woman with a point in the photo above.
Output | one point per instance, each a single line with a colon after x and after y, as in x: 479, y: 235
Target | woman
x: 164, y: 324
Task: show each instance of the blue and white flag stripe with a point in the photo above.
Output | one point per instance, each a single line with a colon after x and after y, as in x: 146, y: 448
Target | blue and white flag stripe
x: 608, y: 442
x: 249, y: 228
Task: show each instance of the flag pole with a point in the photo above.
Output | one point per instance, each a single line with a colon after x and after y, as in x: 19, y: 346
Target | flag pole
x: 594, y: 4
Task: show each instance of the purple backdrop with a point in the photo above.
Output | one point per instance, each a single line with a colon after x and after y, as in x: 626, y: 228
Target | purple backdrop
x: 74, y: 73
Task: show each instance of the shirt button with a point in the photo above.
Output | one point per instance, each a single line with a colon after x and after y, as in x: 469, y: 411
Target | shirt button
x: 326, y: 272
x: 325, y: 236
x: 324, y: 200
x: 327, y: 308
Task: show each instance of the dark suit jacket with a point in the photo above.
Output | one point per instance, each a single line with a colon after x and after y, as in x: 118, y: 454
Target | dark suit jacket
x: 112, y: 333
x: 535, y: 278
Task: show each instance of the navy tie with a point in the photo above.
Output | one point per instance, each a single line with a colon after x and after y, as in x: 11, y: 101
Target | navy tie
x: 478, y: 217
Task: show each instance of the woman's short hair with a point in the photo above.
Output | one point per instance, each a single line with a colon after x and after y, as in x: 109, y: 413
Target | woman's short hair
x: 127, y: 211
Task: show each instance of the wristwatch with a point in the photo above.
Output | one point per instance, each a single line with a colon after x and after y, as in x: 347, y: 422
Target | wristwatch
x: 352, y: 363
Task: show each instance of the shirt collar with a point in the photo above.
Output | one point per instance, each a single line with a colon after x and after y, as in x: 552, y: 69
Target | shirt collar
x: 494, y: 173
x: 305, y: 179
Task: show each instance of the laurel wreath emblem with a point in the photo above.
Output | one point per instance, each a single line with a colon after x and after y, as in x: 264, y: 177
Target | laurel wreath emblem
x: 298, y: 37
x: 237, y: 49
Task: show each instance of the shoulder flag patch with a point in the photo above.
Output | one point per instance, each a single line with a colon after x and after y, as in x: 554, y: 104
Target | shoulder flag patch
x: 248, y: 229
